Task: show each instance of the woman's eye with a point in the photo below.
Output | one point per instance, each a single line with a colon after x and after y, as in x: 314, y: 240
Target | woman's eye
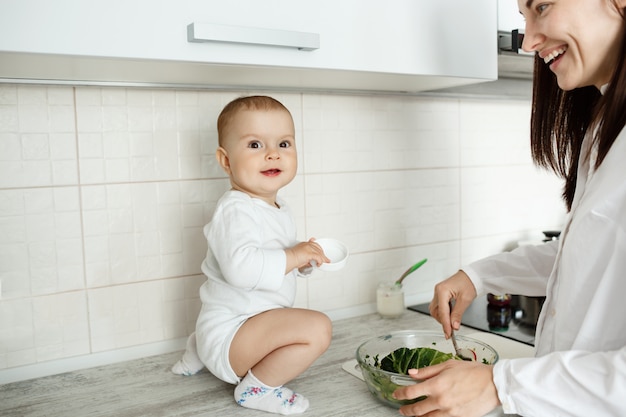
x: 541, y: 7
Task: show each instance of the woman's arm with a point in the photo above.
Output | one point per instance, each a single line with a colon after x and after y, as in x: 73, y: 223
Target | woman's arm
x: 573, y: 383
x: 525, y: 270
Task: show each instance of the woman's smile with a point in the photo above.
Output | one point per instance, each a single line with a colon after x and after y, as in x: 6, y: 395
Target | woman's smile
x: 556, y: 54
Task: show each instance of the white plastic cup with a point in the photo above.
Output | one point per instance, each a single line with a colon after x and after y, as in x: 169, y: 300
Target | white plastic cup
x: 334, y: 250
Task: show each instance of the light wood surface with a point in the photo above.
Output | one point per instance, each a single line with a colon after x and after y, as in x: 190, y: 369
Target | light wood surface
x: 146, y: 387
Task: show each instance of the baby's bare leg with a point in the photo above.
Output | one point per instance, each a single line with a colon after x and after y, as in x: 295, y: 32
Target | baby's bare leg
x: 278, y: 345
x: 273, y: 348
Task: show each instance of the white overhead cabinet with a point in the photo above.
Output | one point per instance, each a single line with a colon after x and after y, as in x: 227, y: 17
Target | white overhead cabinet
x: 509, y: 17
x: 390, y: 45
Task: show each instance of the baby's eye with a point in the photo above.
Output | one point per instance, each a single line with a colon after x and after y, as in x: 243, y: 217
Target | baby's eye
x: 254, y: 145
x: 285, y: 144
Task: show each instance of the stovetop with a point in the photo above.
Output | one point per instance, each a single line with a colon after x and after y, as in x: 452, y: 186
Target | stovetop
x: 479, y: 315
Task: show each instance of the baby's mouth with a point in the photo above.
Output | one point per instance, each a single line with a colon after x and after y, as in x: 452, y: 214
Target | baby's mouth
x: 554, y: 55
x: 271, y: 172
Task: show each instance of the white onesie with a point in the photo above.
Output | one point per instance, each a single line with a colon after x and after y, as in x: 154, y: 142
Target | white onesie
x: 245, y: 269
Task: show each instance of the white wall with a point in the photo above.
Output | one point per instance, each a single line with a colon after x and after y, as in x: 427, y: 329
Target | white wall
x: 104, y: 192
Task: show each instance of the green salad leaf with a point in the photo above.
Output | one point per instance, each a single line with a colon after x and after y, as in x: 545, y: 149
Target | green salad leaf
x: 403, y: 359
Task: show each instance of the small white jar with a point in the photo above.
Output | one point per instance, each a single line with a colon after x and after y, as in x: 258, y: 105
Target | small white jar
x: 390, y: 300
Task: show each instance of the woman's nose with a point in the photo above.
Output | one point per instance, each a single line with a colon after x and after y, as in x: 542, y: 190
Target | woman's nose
x: 532, y: 39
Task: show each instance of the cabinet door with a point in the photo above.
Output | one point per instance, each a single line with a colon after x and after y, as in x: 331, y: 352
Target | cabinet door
x: 435, y: 37
x: 431, y: 38
x: 509, y: 17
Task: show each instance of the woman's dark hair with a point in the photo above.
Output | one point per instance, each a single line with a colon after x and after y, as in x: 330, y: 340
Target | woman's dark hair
x: 560, y: 120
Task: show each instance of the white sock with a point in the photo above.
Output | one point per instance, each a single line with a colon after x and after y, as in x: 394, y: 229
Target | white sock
x: 252, y: 393
x: 190, y: 363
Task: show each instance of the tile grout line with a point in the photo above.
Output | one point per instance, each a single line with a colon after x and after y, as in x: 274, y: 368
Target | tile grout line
x: 82, y: 220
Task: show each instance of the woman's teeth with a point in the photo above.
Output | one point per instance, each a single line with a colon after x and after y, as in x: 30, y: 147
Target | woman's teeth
x: 553, y: 55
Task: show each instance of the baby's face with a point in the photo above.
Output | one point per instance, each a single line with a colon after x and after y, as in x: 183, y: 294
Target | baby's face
x: 260, y: 150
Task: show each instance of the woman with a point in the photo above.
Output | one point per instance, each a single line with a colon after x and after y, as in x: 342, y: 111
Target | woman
x: 577, y: 130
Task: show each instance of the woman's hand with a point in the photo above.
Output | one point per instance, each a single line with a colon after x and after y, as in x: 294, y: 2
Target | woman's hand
x: 458, y: 287
x: 452, y: 388
x: 303, y: 254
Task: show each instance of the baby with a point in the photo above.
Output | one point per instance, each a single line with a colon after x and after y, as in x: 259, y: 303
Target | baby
x: 248, y: 332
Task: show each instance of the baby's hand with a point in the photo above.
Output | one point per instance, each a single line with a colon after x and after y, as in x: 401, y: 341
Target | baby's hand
x: 304, y: 254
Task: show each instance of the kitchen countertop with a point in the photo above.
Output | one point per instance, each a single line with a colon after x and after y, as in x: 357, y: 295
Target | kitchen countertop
x: 146, y: 387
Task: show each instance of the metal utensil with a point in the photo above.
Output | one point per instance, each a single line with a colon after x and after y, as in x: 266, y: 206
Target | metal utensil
x: 461, y: 353
x: 465, y: 354
x: 411, y: 269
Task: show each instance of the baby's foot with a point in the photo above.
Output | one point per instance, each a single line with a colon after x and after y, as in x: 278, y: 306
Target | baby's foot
x: 190, y: 363
x: 252, y: 393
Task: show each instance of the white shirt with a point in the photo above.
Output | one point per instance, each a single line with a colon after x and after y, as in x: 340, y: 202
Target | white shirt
x: 580, y: 364
x: 245, y: 262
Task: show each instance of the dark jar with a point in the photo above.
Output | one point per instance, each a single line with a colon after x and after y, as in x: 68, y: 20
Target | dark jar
x: 499, y: 300
x: 499, y: 317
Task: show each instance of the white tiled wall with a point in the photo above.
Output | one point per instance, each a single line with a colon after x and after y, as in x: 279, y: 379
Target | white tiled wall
x: 104, y: 193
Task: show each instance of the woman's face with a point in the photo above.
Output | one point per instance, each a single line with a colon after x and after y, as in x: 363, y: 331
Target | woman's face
x: 578, y: 39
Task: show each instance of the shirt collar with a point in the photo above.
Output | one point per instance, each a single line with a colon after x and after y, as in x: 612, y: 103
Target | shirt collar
x: 603, y: 88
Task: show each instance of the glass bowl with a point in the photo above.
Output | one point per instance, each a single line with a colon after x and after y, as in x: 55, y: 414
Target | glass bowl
x: 382, y: 383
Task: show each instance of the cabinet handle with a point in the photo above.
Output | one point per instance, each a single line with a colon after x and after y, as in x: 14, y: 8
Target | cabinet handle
x: 208, y: 32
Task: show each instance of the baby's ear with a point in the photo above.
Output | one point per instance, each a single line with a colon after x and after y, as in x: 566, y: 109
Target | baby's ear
x: 222, y: 158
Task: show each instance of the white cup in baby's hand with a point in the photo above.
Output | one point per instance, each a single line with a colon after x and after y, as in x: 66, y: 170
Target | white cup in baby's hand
x: 334, y: 250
